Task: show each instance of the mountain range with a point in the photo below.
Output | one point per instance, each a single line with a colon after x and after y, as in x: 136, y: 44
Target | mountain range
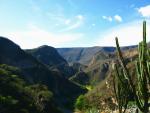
x: 64, y: 71
x: 84, y: 55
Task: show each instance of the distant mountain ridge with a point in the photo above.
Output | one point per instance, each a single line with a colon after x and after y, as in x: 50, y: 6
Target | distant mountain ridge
x: 84, y: 55
x: 97, y: 61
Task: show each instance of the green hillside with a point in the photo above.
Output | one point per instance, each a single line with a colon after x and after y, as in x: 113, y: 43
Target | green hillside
x: 18, y: 96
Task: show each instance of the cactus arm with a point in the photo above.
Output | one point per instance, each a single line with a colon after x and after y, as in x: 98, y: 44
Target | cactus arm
x: 139, y: 103
x: 121, y: 59
x: 144, y: 33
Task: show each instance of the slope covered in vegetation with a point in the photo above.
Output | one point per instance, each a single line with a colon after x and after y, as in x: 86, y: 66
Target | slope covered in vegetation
x: 17, y: 96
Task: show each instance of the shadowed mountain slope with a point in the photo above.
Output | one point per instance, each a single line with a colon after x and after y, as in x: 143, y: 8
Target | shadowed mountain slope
x: 51, y: 58
x: 35, y: 72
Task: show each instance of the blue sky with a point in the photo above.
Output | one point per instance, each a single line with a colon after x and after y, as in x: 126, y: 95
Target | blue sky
x: 73, y: 23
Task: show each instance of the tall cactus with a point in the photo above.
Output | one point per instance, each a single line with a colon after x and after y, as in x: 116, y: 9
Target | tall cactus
x: 140, y: 90
x: 121, y: 93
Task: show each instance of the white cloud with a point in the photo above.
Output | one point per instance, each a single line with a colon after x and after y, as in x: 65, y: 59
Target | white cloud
x: 75, y: 23
x: 67, y: 22
x: 128, y: 34
x: 118, y: 18
x: 93, y: 25
x: 80, y: 17
x: 145, y: 11
x: 108, y: 18
x: 35, y: 36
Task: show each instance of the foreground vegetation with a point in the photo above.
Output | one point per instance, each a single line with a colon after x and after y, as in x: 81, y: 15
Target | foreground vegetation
x: 125, y: 87
x: 16, y: 96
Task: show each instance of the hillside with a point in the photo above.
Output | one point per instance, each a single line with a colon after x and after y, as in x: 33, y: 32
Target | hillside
x: 35, y: 72
x: 51, y: 58
x: 98, y: 66
x: 47, y: 55
x: 102, y: 95
x: 17, y: 96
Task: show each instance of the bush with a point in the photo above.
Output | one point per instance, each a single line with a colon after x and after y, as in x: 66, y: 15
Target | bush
x: 92, y: 110
x: 81, y: 103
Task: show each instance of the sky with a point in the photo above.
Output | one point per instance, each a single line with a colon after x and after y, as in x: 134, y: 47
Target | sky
x: 74, y: 23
